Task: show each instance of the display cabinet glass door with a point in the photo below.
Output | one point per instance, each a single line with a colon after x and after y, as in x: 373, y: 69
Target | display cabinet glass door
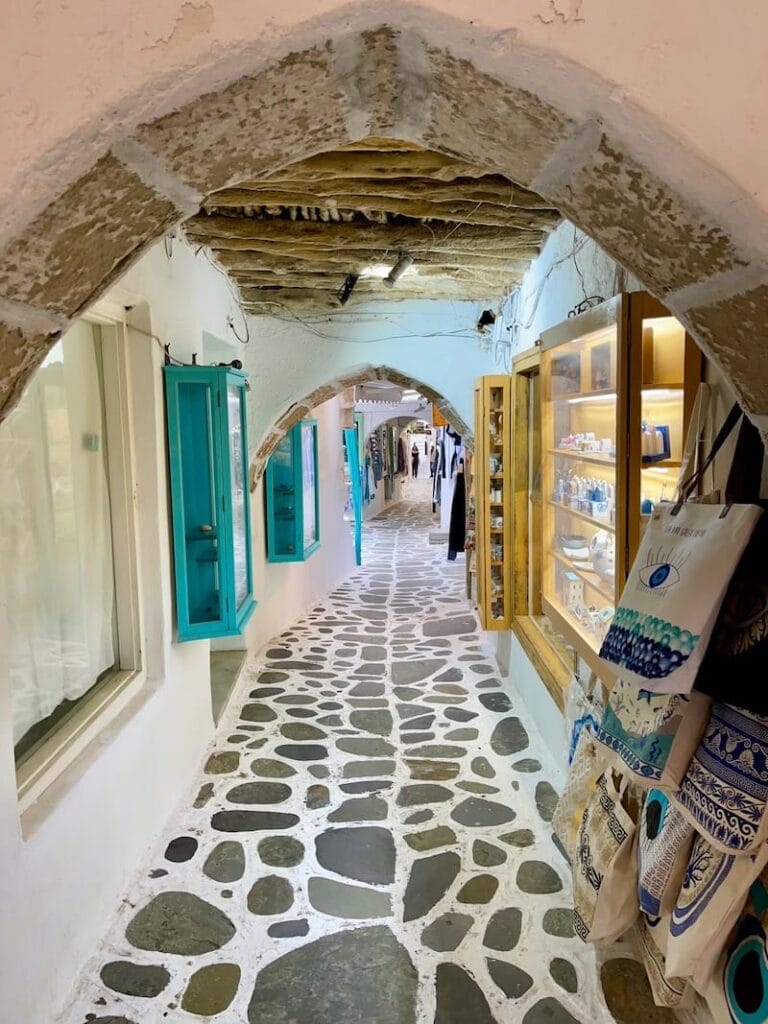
x: 582, y: 490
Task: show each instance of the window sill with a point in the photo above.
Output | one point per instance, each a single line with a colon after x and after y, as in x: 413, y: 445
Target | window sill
x: 549, y: 663
x: 46, y: 765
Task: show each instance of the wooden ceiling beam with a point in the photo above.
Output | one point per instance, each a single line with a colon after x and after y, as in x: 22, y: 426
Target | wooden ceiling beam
x: 214, y: 231
x: 485, y: 214
x: 339, y: 262
x: 374, y: 164
x: 495, y: 191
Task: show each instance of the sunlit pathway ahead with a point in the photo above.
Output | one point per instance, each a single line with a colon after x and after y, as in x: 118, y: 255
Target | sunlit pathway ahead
x: 369, y: 840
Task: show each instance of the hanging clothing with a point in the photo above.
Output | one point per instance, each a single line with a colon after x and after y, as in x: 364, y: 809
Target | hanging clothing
x: 457, y: 528
x: 402, y: 467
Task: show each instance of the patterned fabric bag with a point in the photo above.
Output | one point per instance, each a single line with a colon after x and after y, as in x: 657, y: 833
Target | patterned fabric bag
x: 735, y: 667
x: 652, y: 940
x: 708, y: 905
x: 584, y: 707
x: 587, y: 765
x: 745, y: 969
x: 605, y: 866
x: 654, y: 736
x: 664, y: 845
x: 665, y: 616
x: 724, y: 793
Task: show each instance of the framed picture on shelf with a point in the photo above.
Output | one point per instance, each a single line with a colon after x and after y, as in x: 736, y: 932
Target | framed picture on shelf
x: 566, y: 374
x: 600, y: 367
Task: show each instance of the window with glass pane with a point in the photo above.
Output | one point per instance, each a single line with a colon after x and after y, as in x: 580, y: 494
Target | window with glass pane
x: 237, y: 458
x: 309, y: 490
x: 56, y: 560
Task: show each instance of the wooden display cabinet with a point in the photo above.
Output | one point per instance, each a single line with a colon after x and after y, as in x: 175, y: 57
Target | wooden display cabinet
x: 493, y: 505
x: 618, y: 384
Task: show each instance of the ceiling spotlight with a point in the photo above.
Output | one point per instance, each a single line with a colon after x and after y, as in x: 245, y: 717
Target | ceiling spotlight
x: 347, y: 288
x: 403, y: 265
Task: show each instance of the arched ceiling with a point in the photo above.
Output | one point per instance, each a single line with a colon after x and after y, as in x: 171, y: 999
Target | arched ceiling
x: 292, y: 238
x: 680, y: 226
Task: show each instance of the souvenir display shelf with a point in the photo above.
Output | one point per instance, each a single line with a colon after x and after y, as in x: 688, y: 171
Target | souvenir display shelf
x: 292, y: 497
x: 493, y: 501
x: 617, y: 386
x: 210, y: 500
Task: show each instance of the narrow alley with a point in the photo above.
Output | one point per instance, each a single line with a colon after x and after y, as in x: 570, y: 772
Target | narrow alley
x: 371, y: 822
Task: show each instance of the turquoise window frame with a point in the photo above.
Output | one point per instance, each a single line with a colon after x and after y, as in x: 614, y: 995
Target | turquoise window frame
x: 201, y: 477
x: 273, y: 480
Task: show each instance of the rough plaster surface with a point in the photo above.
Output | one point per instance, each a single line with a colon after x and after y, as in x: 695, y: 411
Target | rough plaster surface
x: 74, y: 250
x: 643, y: 222
x: 675, y: 232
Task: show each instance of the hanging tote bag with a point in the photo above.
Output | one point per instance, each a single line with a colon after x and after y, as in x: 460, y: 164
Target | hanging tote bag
x: 605, y: 866
x: 587, y: 765
x: 653, y: 736
x: 584, y: 707
x: 724, y: 793
x: 735, y: 666
x: 708, y: 905
x: 659, y: 634
x: 664, y: 844
x: 677, y: 993
x: 745, y: 969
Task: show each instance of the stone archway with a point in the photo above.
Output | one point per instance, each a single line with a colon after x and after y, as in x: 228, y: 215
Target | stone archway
x: 303, y: 408
x: 393, y: 83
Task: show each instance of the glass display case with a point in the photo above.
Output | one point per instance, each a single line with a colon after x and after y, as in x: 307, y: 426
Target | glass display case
x: 617, y: 385
x: 292, y: 498
x: 493, y: 521
x: 208, y: 458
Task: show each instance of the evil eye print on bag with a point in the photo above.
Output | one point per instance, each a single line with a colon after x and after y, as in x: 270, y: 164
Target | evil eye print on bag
x: 745, y: 978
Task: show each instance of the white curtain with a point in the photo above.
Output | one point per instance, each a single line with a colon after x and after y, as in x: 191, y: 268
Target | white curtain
x: 56, y: 567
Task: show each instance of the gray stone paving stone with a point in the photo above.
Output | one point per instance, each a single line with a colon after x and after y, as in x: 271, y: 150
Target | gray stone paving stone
x: 252, y: 821
x: 338, y: 899
x: 447, y: 932
x: 362, y: 854
x: 546, y: 800
x: 143, y: 980
x: 366, y: 808
x: 281, y: 851
x: 479, y: 813
x: 478, y: 889
x: 564, y: 973
x: 211, y: 989
x: 512, y: 980
x: 559, y: 921
x: 352, y: 977
x: 550, y: 1011
x: 503, y: 930
x: 179, y: 922
x: 226, y: 862
x: 509, y: 737
x: 271, y: 769
x: 259, y: 793
x: 459, y: 998
x: 535, y: 876
x: 428, y: 882
x: 270, y: 895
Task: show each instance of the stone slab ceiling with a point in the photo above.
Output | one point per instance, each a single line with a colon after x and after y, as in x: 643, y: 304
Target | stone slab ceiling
x: 292, y: 237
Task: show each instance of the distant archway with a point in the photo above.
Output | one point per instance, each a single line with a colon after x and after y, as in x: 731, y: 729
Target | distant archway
x: 303, y: 408
x: 393, y: 82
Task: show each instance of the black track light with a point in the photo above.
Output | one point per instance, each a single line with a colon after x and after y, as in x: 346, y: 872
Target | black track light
x: 347, y: 288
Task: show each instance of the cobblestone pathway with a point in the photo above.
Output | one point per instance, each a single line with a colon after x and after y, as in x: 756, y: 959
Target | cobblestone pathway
x: 369, y: 843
